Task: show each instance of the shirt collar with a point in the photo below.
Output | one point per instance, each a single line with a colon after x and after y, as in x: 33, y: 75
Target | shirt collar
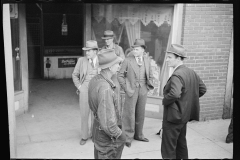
x: 139, y: 57
x: 176, y: 67
x: 113, y: 46
x: 93, y: 60
x: 104, y: 74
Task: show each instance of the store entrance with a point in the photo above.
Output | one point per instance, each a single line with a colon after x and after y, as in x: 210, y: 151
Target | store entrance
x: 16, y: 58
x: 34, y: 45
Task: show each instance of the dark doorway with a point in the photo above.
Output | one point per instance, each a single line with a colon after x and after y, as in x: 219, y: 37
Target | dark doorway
x: 16, y: 55
x: 33, y: 19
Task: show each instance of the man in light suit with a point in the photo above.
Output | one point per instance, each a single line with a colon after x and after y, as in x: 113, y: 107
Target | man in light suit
x: 181, y: 104
x: 85, y: 69
x: 135, y: 77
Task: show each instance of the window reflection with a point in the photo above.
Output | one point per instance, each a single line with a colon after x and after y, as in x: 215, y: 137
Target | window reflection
x: 150, y: 22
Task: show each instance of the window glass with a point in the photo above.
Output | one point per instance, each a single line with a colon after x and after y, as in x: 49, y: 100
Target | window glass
x: 150, y: 22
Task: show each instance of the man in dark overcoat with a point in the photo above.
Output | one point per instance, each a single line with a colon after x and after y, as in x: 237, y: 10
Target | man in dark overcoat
x: 181, y: 104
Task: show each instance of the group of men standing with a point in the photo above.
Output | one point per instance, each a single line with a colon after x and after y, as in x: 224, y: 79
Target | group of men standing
x: 102, y: 73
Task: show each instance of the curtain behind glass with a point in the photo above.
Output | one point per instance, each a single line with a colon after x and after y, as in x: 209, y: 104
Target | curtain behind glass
x: 99, y: 28
x: 133, y: 31
x: 164, y: 74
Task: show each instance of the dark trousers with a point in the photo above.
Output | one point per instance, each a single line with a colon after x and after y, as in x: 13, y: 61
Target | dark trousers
x: 105, y: 147
x: 174, y: 143
x: 134, y: 113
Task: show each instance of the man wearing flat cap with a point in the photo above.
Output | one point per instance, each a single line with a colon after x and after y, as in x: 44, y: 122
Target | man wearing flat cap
x: 181, y: 104
x: 85, y: 69
x: 108, y: 137
x: 136, y: 79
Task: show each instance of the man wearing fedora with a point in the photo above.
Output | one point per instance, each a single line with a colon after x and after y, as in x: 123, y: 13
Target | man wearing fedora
x: 136, y: 79
x: 181, y: 104
x: 108, y: 137
x: 110, y: 40
x: 85, y: 69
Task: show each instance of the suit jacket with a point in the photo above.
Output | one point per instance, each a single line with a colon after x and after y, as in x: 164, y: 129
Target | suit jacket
x: 80, y: 71
x: 129, y: 72
x: 181, y: 96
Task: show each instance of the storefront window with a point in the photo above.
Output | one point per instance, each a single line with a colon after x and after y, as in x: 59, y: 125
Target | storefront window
x: 150, y: 22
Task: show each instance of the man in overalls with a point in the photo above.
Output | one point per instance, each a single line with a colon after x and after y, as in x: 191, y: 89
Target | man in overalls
x: 108, y: 137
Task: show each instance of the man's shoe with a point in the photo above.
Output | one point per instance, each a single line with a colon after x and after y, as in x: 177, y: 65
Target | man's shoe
x: 83, y: 141
x: 229, y: 140
x: 128, y: 144
x: 143, y: 139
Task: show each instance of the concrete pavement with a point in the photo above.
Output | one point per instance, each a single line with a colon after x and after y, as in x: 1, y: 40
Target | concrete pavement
x: 51, y: 129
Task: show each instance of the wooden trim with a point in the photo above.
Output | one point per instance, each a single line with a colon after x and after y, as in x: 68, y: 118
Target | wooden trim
x: 88, y: 26
x: 24, y: 54
x: 229, y: 85
x: 42, y: 42
x: 9, y: 80
x: 177, y: 27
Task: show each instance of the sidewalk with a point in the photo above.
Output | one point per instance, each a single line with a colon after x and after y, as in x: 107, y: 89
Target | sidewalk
x: 51, y: 129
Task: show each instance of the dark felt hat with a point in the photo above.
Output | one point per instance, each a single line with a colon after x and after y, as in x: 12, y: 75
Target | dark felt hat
x: 108, y: 34
x: 139, y: 42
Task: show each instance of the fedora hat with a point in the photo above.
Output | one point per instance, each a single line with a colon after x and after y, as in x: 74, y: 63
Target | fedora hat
x: 107, y: 58
x: 91, y: 44
x: 177, y: 49
x: 108, y: 34
x: 139, y: 42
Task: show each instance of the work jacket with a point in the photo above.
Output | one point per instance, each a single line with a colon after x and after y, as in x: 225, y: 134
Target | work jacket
x: 118, y: 50
x: 103, y: 102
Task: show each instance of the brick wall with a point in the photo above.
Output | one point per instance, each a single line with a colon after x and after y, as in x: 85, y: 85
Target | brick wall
x: 207, y: 31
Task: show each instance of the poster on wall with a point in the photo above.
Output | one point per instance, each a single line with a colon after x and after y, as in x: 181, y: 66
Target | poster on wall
x: 66, y: 62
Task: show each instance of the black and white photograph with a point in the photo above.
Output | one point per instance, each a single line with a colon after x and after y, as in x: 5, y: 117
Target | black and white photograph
x: 104, y: 79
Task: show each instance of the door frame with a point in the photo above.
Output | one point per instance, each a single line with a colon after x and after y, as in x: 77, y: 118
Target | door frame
x: 228, y: 104
x: 9, y: 80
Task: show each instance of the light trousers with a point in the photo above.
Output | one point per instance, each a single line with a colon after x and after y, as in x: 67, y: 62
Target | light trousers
x: 85, y: 112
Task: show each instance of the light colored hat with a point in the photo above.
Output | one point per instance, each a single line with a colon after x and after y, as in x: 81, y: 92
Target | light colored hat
x: 107, y: 58
x: 108, y: 34
x: 177, y: 49
x: 91, y: 44
x: 139, y: 42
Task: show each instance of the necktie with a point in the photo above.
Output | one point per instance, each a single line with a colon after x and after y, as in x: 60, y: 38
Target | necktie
x: 91, y: 62
x: 139, y: 60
